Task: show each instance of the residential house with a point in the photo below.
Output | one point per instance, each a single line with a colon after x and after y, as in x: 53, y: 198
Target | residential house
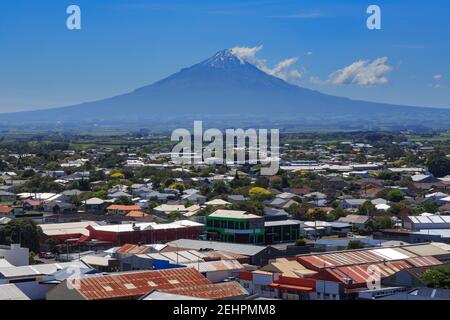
x: 357, y: 221
x: 118, y: 209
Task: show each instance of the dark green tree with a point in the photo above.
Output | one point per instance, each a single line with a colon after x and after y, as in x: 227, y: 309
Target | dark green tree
x: 438, y: 164
x: 26, y: 232
x: 437, y: 277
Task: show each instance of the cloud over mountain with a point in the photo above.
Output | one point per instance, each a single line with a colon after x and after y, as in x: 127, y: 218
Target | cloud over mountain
x: 363, y: 73
x: 283, y: 69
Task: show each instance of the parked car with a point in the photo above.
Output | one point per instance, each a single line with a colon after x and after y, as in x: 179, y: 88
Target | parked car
x: 46, y: 255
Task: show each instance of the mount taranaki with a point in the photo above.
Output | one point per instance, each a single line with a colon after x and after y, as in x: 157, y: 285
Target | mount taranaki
x: 226, y: 90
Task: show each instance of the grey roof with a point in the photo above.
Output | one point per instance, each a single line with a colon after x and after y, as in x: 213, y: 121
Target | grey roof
x: 281, y: 223
x: 434, y: 293
x: 317, y: 195
x: 37, y: 270
x: 5, y: 193
x: 73, y: 192
x: 65, y: 273
x: 355, y: 201
x: 118, y: 194
x: 237, y: 197
x: 353, y: 218
x: 274, y: 212
x: 191, y: 191
x: 243, y: 249
x: 379, y: 201
x: 276, y: 202
x: 340, y: 225
x: 94, y: 201
x: 11, y: 292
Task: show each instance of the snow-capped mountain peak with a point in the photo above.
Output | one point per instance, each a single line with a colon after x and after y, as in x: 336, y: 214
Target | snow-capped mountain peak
x: 223, y: 59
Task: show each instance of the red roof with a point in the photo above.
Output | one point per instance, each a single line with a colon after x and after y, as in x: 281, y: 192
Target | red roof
x: 211, y: 291
x: 320, y: 261
x: 5, y: 209
x: 132, y: 285
x: 133, y: 249
x: 294, y: 284
x: 360, y: 274
x: 136, y: 214
x: 33, y: 202
x: 124, y: 207
x: 246, y: 275
x: 424, y: 261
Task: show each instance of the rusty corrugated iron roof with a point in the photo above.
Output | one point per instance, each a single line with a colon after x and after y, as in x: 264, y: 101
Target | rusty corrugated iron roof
x: 361, y: 274
x: 136, y: 284
x: 133, y: 249
x: 424, y: 261
x: 225, y: 290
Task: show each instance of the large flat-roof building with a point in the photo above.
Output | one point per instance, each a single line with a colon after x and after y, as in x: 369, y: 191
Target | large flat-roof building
x: 235, y: 226
x: 427, y: 222
x: 242, y: 227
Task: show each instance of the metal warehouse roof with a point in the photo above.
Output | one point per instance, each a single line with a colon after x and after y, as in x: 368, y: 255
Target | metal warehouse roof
x: 136, y: 284
x: 339, y: 259
x: 185, y: 256
x: 433, y: 219
x: 221, y: 265
x: 424, y: 261
x: 426, y: 250
x: 281, y: 223
x: 211, y: 291
x: 54, y: 229
x: 5, y: 264
x: 38, y: 269
x: 366, y: 256
x: 130, y: 227
x: 244, y: 249
x: 133, y: 249
x: 235, y: 214
x: 11, y: 292
x: 360, y: 274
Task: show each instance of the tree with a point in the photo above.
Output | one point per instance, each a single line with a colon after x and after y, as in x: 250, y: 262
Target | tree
x: 355, y: 244
x: 298, y: 211
x: 31, y: 258
x: 262, y: 182
x: 26, y: 232
x: 123, y: 200
x: 300, y: 243
x: 260, y: 193
x: 438, y: 164
x: 367, y: 208
x: 53, y: 244
x: 384, y: 222
x: 437, y: 277
x: 395, y: 195
x: 219, y: 187
x: 430, y: 206
x: 251, y: 206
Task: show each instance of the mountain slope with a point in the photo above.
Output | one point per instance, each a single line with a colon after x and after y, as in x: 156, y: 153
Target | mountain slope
x: 225, y: 87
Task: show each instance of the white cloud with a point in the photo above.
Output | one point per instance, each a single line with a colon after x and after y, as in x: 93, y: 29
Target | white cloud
x: 283, y: 69
x: 437, y: 77
x: 362, y: 73
x: 246, y: 53
x: 309, y: 53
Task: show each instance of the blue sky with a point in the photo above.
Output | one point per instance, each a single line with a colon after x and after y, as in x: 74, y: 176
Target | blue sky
x: 125, y: 44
